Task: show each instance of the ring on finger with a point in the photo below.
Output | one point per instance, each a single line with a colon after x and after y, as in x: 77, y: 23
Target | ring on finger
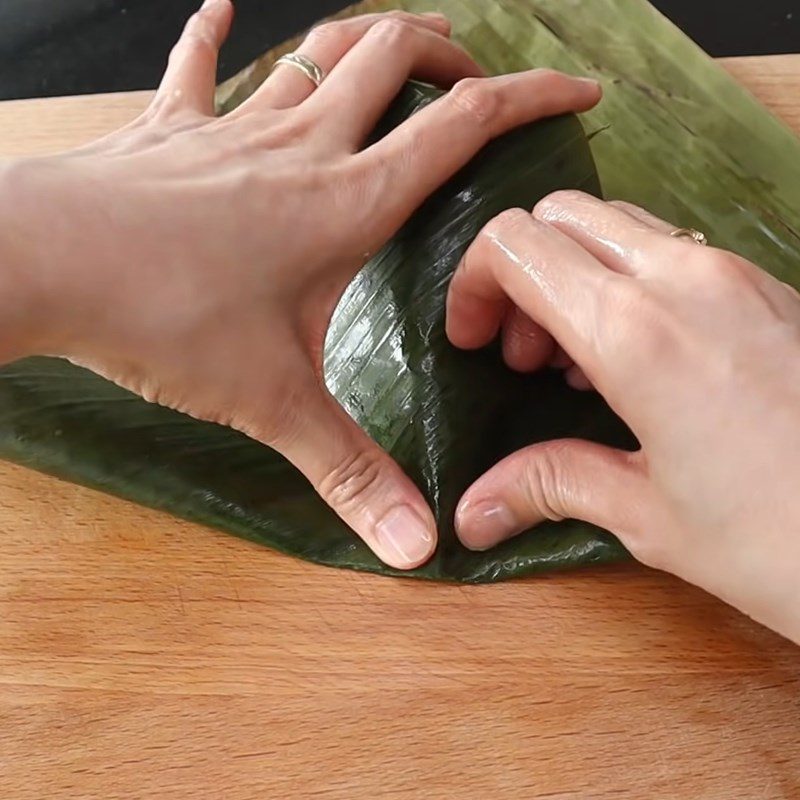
x: 698, y: 237
x: 309, y: 68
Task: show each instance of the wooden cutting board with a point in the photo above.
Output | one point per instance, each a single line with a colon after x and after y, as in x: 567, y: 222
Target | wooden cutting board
x: 144, y: 657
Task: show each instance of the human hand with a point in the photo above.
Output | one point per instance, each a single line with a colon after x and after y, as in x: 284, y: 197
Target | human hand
x: 197, y: 261
x: 697, y: 349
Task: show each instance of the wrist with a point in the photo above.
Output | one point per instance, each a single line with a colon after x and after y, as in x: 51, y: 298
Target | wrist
x: 28, y: 260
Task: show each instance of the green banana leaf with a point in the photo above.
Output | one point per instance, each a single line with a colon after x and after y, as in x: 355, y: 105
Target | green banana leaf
x: 678, y: 135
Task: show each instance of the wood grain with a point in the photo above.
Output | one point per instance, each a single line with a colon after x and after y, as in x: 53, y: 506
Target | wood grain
x: 41, y: 127
x: 144, y: 657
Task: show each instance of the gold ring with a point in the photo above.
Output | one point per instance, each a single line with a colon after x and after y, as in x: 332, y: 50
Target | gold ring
x: 312, y: 71
x: 698, y: 237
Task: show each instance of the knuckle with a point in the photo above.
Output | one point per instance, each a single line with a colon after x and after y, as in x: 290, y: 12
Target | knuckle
x: 476, y: 99
x: 198, y: 27
x: 508, y: 221
x: 554, y: 83
x: 197, y: 39
x: 547, y: 75
x: 543, y: 484
x: 329, y: 32
x: 498, y: 229
x: 553, y: 204
x: 716, y: 265
x: 351, y: 481
x: 392, y: 31
x: 194, y: 22
x: 624, y: 205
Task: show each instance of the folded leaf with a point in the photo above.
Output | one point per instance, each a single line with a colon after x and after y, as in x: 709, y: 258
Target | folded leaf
x: 682, y: 138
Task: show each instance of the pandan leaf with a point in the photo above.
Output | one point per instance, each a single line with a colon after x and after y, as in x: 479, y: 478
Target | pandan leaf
x: 680, y: 137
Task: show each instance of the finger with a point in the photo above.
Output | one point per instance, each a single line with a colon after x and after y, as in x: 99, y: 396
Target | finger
x: 632, y: 244
x: 551, y: 278
x: 624, y: 243
x: 643, y: 215
x: 326, y: 45
x: 361, y: 483
x: 372, y: 73
x: 560, y: 359
x: 775, y: 290
x: 191, y: 76
x: 527, y: 346
x: 427, y: 149
x: 569, y: 479
x: 577, y: 379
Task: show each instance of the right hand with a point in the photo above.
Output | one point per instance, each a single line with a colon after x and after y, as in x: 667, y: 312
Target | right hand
x: 695, y: 348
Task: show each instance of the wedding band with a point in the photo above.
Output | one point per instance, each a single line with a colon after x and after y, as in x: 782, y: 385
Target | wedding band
x: 698, y: 237
x: 311, y: 70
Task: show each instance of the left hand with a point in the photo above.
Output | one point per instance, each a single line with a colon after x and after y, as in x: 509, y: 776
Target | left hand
x: 197, y: 260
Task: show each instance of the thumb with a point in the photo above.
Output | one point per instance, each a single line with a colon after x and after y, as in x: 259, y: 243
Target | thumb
x: 361, y: 483
x: 567, y: 479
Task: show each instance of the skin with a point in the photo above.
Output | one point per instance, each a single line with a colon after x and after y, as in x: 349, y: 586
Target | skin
x: 695, y: 348
x: 135, y: 278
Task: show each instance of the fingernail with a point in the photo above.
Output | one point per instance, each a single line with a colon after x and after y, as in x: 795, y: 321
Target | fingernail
x: 404, y: 536
x: 485, y: 524
x: 590, y: 82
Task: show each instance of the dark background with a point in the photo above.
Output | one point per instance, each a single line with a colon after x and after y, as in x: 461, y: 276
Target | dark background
x: 54, y: 47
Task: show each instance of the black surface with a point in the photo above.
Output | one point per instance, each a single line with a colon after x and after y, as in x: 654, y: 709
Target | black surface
x: 53, y: 47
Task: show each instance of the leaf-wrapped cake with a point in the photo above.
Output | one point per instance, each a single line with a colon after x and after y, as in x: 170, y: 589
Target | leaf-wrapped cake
x: 681, y: 138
